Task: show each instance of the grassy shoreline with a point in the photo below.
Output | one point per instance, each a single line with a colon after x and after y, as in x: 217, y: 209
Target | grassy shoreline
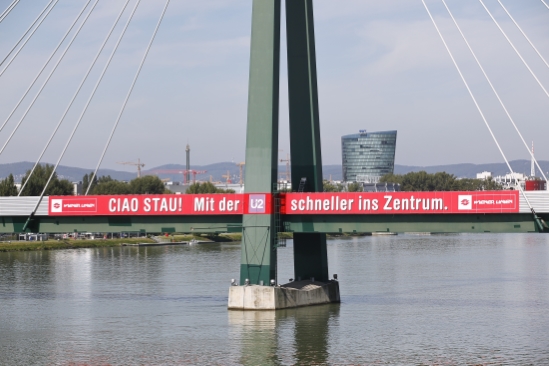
x: 19, y: 246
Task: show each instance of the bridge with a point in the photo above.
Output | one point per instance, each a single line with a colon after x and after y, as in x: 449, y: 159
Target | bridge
x: 328, y: 213
x: 262, y: 212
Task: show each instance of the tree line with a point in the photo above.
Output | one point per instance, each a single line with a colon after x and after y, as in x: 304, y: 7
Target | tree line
x: 104, y: 185
x: 423, y: 181
x: 442, y: 181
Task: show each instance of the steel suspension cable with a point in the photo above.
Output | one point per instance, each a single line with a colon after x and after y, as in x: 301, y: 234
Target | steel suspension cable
x: 26, y: 32
x: 46, y: 81
x: 78, y: 91
x: 524, y: 34
x: 8, y: 10
x: 87, y: 103
x: 128, y: 95
x: 493, y: 88
x: 44, y: 67
x: 544, y: 3
x: 475, y: 102
x: 514, y: 48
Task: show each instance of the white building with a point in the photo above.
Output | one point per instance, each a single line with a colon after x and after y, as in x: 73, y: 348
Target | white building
x: 484, y: 175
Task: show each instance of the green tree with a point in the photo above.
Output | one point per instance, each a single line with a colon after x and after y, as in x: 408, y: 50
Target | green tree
x: 354, y: 187
x: 441, y: 181
x: 331, y: 187
x: 112, y: 187
x: 148, y: 184
x: 206, y: 187
x: 7, y: 187
x: 468, y: 184
x: 86, y: 182
x: 37, y: 182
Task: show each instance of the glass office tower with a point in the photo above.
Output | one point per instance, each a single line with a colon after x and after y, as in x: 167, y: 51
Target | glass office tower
x: 367, y: 156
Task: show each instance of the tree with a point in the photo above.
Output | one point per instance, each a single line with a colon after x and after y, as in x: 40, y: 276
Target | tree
x: 206, y: 187
x: 441, y: 181
x: 479, y: 185
x: 354, y: 187
x: 112, y: 187
x: 7, y: 187
x: 331, y: 187
x: 37, y: 182
x: 86, y: 182
x: 148, y: 184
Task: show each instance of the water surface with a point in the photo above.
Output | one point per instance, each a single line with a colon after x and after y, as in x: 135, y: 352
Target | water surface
x: 457, y: 299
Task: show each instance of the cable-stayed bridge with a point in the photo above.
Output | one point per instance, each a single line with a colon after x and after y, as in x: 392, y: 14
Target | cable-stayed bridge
x: 262, y: 212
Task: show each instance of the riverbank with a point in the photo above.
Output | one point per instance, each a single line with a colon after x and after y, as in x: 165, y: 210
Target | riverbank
x: 18, y: 246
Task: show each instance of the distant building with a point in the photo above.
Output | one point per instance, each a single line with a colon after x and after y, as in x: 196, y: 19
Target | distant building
x: 77, y: 188
x: 381, y: 187
x: 484, y: 175
x: 509, y: 180
x: 367, y: 156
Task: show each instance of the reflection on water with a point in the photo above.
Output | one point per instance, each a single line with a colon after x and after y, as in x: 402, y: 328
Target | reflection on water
x: 454, y: 299
x: 290, y: 336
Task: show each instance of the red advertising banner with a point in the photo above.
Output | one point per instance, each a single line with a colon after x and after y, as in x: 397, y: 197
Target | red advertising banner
x: 389, y: 203
x: 394, y: 203
x: 161, y: 205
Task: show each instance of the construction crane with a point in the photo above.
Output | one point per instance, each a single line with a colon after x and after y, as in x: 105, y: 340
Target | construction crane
x: 179, y: 171
x: 240, y: 166
x: 228, y: 177
x: 139, y: 165
x: 287, y: 161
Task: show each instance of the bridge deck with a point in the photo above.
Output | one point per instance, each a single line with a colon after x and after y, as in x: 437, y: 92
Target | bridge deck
x: 14, y: 212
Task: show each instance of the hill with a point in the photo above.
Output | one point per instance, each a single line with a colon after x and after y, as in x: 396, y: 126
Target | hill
x: 217, y: 170
x: 471, y: 170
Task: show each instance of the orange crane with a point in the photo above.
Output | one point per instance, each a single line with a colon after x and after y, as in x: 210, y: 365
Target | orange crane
x: 139, y: 165
x: 179, y: 171
x: 228, y: 176
x: 287, y: 161
x: 240, y: 165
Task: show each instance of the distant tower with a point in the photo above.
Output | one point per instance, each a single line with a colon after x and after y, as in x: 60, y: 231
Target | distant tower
x: 188, y: 165
x: 532, y: 166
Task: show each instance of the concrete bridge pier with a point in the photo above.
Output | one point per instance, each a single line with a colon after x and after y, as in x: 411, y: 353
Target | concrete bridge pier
x: 258, y: 258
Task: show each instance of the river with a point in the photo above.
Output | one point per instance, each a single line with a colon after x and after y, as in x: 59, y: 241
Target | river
x: 434, y: 300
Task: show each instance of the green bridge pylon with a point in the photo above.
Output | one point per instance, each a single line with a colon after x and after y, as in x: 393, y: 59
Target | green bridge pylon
x: 258, y: 259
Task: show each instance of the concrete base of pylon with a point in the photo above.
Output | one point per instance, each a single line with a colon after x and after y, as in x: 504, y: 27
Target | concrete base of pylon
x: 291, y: 295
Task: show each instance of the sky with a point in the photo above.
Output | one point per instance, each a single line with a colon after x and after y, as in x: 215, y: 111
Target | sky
x: 381, y: 66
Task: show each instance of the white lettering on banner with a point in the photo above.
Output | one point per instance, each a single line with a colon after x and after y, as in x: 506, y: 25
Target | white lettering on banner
x: 163, y: 205
x: 437, y: 204
x: 199, y: 204
x: 147, y: 204
x: 226, y: 205
x: 391, y: 203
x: 388, y: 198
x: 204, y: 204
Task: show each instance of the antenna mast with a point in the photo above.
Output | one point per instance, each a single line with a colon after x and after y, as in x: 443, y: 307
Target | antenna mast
x: 532, y: 167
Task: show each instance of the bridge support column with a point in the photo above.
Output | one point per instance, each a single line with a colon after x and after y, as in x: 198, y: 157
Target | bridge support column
x: 258, y: 258
x: 310, y: 257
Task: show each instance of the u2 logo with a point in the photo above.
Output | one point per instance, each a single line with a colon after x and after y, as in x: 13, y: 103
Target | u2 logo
x: 257, y: 203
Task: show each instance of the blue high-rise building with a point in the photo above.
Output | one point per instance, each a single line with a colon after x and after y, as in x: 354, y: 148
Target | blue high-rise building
x: 367, y: 156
